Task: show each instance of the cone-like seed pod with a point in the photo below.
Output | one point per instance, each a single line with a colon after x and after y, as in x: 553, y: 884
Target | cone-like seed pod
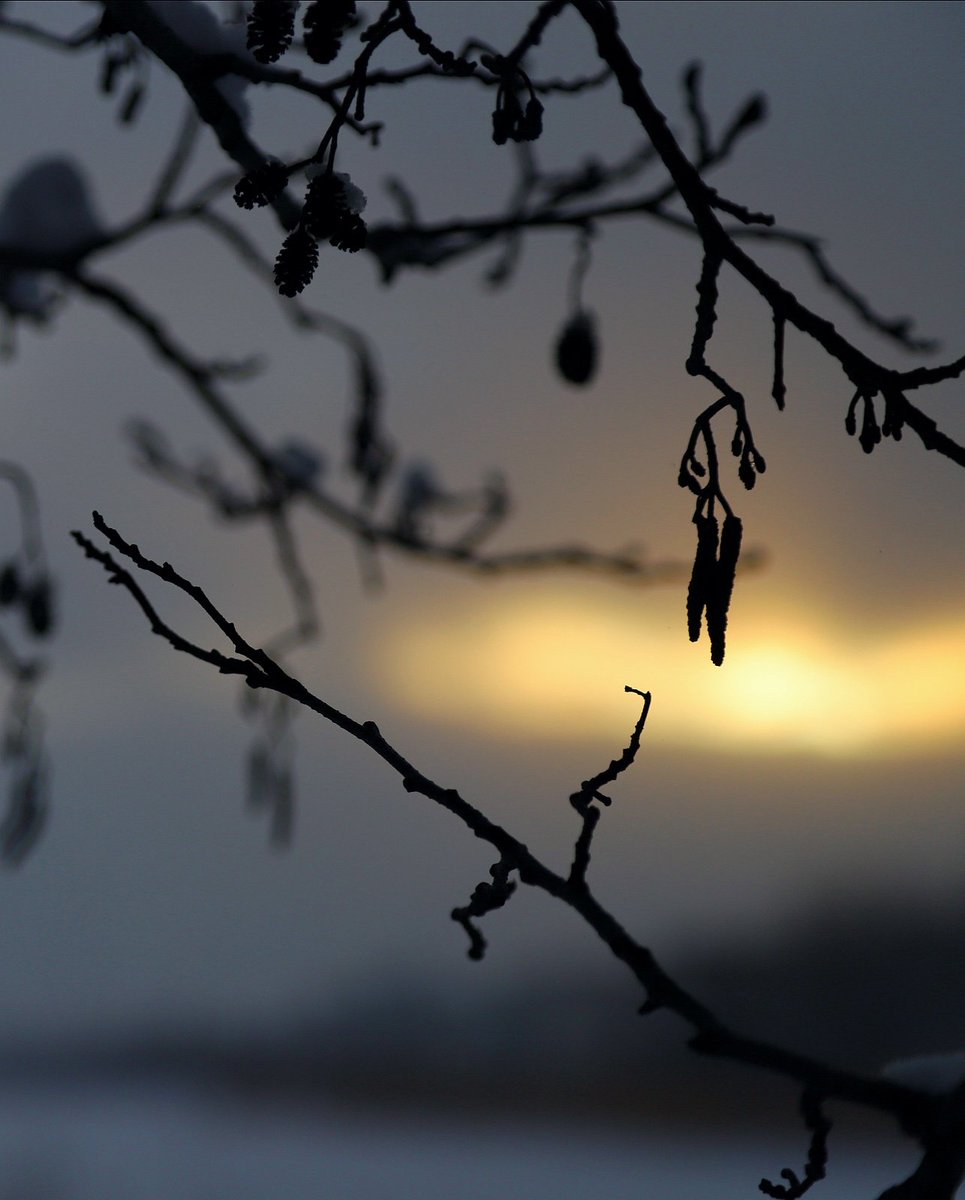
x: 271, y: 26
x: 296, y: 262
x: 331, y: 212
x: 324, y: 205
x: 325, y: 22
x: 262, y: 185
x: 351, y: 234
x: 577, y: 349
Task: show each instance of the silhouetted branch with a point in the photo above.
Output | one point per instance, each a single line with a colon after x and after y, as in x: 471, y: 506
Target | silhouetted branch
x: 717, y: 242
x: 43, y: 37
x: 590, y: 788
x: 815, y: 1168
x: 896, y: 329
x: 436, y: 244
x: 198, y: 376
x: 407, y: 520
x: 940, y: 1172
x: 486, y: 898
x: 176, y: 163
x: 923, y: 1115
x: 201, y: 380
x: 589, y: 791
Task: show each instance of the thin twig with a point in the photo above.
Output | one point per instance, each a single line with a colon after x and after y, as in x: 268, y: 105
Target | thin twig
x: 918, y: 1112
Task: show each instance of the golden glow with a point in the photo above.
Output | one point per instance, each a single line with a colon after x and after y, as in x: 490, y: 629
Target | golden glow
x: 555, y: 667
x: 785, y: 695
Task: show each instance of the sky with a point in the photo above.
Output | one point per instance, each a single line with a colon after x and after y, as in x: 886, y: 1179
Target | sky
x: 822, y: 761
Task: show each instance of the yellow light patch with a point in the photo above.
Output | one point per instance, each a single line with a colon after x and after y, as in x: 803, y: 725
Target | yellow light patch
x: 556, y: 668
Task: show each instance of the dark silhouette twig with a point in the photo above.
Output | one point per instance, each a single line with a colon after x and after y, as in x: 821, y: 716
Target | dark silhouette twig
x: 934, y: 1120
x: 728, y: 231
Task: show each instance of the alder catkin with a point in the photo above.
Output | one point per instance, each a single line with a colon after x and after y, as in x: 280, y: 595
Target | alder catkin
x: 722, y: 586
x: 702, y: 576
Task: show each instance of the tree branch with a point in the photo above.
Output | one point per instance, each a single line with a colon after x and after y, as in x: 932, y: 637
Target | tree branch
x: 919, y: 1113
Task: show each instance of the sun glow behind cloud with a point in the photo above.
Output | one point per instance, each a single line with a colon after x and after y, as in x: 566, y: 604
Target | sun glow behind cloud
x: 556, y: 668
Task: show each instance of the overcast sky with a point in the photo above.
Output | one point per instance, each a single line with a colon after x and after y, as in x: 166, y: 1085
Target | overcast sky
x: 823, y: 759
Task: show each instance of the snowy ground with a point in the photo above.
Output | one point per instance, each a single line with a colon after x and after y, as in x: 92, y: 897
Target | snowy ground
x: 133, y: 1142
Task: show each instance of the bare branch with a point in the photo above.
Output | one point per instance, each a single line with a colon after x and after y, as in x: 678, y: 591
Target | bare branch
x: 918, y: 1112
x: 43, y: 37
x: 176, y: 164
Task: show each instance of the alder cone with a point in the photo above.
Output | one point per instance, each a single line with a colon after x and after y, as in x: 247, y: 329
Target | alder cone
x: 296, y: 262
x: 577, y: 349
x: 271, y: 26
x: 325, y: 23
x: 262, y: 185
